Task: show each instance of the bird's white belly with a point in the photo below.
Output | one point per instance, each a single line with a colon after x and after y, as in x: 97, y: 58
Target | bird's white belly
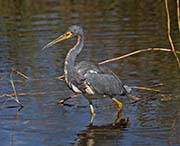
x: 75, y: 89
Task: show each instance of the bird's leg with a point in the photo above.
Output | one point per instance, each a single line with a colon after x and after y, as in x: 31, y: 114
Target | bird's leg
x: 118, y: 103
x: 62, y: 101
x: 92, y: 112
x: 118, y: 118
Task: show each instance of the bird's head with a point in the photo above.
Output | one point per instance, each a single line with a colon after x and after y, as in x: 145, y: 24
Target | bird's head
x: 73, y: 31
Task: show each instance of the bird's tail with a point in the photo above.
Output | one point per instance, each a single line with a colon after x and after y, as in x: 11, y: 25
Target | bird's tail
x: 128, y: 89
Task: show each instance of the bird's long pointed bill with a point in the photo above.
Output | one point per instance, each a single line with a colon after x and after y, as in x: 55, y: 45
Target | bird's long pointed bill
x: 59, y: 39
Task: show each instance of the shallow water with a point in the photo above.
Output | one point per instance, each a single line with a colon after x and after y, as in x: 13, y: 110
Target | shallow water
x: 112, y: 29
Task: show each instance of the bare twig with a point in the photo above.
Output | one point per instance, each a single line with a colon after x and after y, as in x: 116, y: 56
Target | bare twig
x: 169, y: 33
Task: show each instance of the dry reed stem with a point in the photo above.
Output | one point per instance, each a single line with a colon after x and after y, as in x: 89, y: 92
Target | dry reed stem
x: 14, y: 96
x: 157, y: 85
x: 137, y: 52
x: 61, y: 77
x: 21, y: 74
x: 178, y: 14
x: 22, y: 94
x: 145, y: 88
x: 43, y: 93
x: 14, y: 89
x: 169, y: 33
x: 174, y: 122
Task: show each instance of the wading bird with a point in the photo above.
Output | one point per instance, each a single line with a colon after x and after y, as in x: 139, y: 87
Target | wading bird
x: 87, y: 78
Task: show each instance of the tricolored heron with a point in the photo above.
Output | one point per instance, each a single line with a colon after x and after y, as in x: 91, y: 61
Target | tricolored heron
x: 88, y: 78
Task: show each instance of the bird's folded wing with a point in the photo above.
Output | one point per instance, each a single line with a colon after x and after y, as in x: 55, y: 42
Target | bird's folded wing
x: 105, y: 84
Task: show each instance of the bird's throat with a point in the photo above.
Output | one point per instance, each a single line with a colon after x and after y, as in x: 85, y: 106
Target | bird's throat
x: 69, y: 66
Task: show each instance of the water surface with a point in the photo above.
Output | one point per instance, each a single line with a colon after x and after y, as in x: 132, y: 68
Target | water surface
x: 112, y: 28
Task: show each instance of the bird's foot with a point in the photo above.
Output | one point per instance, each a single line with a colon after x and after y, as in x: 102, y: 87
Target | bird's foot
x: 118, y: 118
x: 124, y: 122
x: 61, y: 101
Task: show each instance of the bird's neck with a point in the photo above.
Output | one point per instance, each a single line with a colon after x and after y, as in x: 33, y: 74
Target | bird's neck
x: 71, y: 58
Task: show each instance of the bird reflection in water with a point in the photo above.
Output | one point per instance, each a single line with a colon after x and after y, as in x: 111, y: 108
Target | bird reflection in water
x: 104, y: 134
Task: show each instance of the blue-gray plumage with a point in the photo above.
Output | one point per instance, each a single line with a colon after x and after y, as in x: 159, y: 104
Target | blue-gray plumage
x: 88, y: 78
x: 101, y: 79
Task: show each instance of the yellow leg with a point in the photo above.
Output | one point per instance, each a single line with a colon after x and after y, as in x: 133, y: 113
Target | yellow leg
x: 91, y: 109
x: 118, y: 103
x: 118, y: 118
x: 92, y: 113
